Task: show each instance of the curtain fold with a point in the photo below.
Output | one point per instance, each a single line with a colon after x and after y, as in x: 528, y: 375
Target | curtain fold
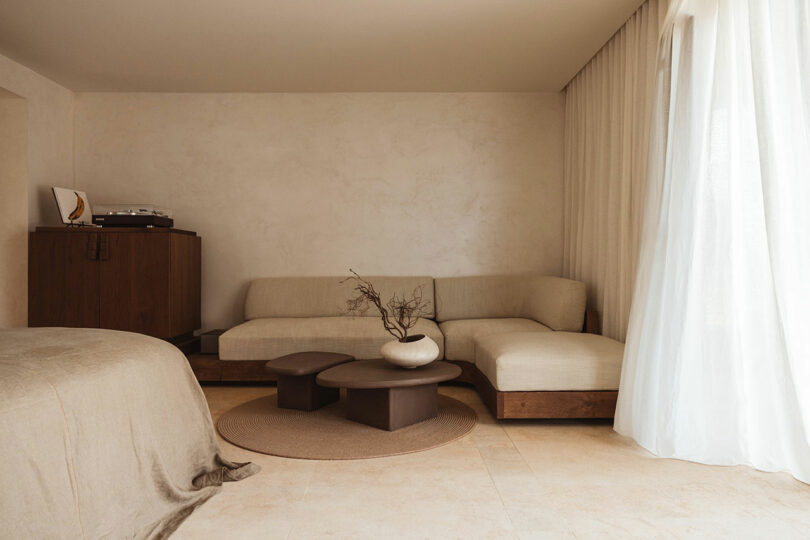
x: 717, y: 359
x: 607, y: 117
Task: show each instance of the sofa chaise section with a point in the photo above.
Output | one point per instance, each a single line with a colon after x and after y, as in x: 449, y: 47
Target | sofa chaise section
x: 550, y: 361
x: 548, y: 375
x: 519, y: 340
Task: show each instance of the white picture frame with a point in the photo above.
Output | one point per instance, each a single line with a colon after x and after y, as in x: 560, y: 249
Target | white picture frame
x: 74, y: 208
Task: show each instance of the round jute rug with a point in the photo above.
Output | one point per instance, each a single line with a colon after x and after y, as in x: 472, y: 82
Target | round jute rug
x: 261, y: 426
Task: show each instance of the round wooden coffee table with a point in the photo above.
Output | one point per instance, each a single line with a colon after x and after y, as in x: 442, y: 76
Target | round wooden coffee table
x: 386, y: 396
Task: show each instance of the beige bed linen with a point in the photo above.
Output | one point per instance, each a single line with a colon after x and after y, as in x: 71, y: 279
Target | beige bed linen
x: 103, y: 434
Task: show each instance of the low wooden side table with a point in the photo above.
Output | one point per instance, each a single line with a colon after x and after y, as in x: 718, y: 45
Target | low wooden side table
x: 296, y: 374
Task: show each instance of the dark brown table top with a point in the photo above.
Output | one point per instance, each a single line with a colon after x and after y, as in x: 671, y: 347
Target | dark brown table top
x: 380, y: 374
x: 306, y: 363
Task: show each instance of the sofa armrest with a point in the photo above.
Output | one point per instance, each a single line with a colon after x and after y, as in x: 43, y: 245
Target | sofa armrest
x: 558, y: 303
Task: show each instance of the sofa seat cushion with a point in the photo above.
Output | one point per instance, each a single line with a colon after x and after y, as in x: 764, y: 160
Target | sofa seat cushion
x: 268, y: 338
x: 537, y: 361
x: 459, y: 335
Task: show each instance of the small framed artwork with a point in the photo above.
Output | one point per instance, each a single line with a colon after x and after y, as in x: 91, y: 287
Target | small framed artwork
x: 73, y: 206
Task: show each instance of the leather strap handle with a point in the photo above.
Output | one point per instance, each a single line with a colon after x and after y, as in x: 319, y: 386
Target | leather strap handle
x: 104, y: 251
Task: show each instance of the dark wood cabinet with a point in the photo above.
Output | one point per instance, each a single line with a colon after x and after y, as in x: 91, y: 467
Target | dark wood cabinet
x: 136, y: 279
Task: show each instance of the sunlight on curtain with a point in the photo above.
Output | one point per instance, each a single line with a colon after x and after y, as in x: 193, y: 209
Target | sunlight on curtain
x: 607, y: 118
x: 717, y: 362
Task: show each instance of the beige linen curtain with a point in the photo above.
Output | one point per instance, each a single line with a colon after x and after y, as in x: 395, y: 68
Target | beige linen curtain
x: 607, y: 119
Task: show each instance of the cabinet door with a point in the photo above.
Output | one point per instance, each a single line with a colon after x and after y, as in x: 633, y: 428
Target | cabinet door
x: 185, y: 283
x: 134, y: 280
x: 63, y: 279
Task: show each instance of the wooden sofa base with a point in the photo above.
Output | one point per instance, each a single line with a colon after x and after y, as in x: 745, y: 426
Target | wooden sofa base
x: 208, y: 368
x: 541, y: 404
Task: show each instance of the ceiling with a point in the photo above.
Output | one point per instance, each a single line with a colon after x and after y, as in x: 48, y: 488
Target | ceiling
x: 309, y: 45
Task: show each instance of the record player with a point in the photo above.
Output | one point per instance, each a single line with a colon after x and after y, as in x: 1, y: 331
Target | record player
x: 132, y: 215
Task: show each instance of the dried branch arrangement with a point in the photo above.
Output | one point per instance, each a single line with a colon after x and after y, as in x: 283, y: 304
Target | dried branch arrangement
x: 398, y: 315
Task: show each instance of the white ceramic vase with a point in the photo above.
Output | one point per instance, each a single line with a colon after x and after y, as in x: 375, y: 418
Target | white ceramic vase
x: 417, y: 351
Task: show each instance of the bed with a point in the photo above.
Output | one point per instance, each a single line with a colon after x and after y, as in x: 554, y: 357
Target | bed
x: 102, y: 434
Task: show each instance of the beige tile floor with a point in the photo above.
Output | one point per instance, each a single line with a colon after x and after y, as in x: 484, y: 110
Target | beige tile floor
x: 504, y: 480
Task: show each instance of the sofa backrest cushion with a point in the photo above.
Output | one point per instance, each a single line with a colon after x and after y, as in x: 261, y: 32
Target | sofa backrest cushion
x: 555, y: 302
x: 479, y: 297
x: 324, y: 296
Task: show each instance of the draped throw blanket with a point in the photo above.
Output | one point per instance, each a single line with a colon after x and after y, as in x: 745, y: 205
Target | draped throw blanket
x: 103, y: 434
x: 717, y: 361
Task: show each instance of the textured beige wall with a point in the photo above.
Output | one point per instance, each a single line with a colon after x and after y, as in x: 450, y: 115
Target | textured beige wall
x: 311, y: 184
x: 25, y: 196
x: 13, y: 210
x: 50, y: 137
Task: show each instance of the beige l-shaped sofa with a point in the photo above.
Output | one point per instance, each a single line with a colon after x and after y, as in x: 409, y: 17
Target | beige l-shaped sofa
x: 518, y: 339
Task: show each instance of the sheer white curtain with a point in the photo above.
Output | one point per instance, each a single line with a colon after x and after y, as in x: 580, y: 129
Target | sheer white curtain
x: 717, y: 361
x: 607, y: 119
